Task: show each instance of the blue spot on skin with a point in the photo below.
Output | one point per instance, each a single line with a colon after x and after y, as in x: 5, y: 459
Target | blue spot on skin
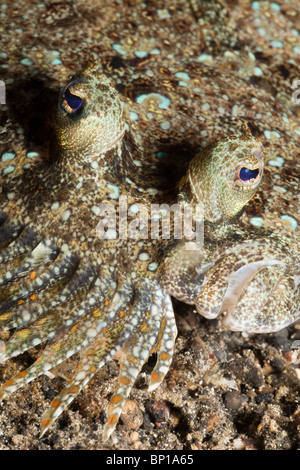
x: 182, y: 75
x: 275, y: 6
x: 152, y: 266
x: 26, y: 61
x: 114, y: 191
x: 163, y: 101
x: 56, y: 62
x: 255, y: 5
x: 7, y: 156
x: 271, y: 134
x: 32, y: 155
x: 162, y: 154
x: 276, y: 43
x: 165, y: 125
x: 257, y: 221
x: 133, y: 116
x: 205, y: 58
x: 144, y: 256
x: 261, y: 31
x: 141, y: 54
x: 8, y: 170
x: 292, y: 221
x: 258, y: 71
x: 118, y: 48
x: 279, y: 161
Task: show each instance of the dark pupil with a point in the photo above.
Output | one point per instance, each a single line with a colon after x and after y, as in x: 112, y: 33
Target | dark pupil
x: 73, y: 101
x: 246, y: 174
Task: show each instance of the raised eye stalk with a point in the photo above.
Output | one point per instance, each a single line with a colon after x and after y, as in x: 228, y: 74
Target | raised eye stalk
x: 71, y: 102
x: 224, y: 176
x: 89, y: 124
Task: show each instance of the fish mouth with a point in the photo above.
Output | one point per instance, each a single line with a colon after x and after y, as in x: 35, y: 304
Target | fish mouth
x: 238, y: 284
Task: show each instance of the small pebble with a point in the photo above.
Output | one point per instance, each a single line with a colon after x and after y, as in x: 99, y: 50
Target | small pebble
x: 159, y: 412
x: 232, y: 400
x: 131, y: 417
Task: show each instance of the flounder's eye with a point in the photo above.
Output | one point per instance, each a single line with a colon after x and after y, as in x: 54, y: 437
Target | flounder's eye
x: 71, y: 102
x: 247, y: 174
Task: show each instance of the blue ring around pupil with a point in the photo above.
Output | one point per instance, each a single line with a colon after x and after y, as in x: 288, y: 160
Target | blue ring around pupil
x: 75, y: 102
x: 247, y: 174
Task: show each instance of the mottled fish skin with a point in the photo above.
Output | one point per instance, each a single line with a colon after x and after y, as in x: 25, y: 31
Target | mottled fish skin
x: 233, y: 265
x: 62, y: 283
x: 111, y: 299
